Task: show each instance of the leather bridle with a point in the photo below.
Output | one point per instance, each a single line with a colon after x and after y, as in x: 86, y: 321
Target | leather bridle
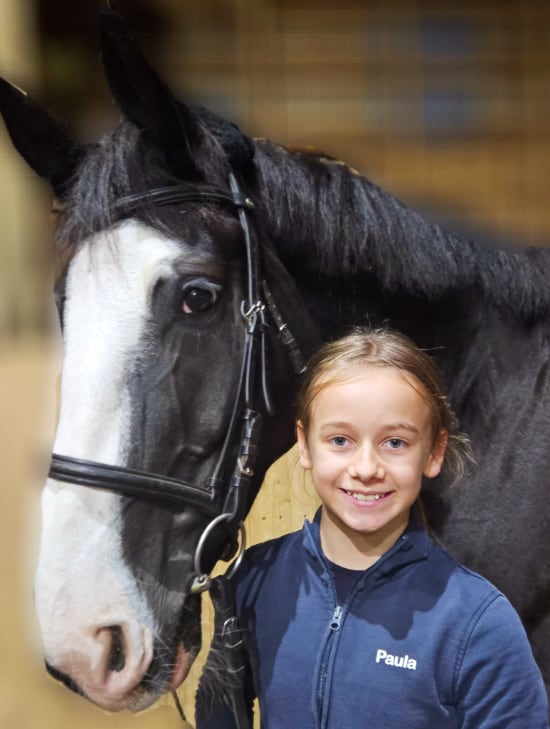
x: 223, y: 503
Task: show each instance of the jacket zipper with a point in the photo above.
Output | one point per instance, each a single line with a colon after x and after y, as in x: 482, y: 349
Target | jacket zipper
x: 336, y: 618
x: 334, y: 626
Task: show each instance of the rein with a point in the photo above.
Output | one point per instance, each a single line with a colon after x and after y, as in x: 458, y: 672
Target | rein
x: 224, y: 503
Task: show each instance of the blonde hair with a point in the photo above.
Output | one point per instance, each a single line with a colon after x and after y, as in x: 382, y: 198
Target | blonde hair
x: 385, y: 348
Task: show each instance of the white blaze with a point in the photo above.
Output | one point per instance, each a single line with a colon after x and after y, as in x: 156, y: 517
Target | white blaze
x: 82, y: 583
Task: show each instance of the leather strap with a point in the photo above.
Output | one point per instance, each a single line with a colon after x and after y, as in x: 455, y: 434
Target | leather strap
x: 182, y: 193
x: 136, y: 484
x: 228, y: 632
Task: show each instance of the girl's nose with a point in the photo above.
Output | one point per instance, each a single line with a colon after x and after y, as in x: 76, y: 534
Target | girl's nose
x: 366, y: 465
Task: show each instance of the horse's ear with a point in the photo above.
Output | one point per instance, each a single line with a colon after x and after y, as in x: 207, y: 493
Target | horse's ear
x: 238, y: 148
x: 40, y: 139
x: 145, y: 99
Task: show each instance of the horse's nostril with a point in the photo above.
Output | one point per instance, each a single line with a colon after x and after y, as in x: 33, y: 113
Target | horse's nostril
x: 117, y: 658
x: 64, y: 678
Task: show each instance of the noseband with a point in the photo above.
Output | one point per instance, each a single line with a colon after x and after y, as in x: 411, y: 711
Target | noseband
x: 224, y: 503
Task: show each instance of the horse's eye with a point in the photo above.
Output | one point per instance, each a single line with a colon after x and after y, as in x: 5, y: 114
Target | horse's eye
x: 198, y: 298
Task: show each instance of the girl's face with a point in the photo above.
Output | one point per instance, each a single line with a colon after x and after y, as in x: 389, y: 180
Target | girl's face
x: 370, y: 440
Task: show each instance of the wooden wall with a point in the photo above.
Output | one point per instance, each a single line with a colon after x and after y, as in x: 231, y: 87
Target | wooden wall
x: 443, y: 103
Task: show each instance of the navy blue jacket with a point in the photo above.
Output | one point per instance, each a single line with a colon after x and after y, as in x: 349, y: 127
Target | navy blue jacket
x: 421, y: 642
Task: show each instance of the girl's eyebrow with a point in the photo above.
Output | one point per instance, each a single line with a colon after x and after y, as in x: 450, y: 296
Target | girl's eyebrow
x: 335, y: 424
x: 402, y: 426
x: 330, y: 425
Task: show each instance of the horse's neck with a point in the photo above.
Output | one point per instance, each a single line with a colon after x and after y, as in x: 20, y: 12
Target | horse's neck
x: 330, y: 223
x: 359, y: 256
x: 354, y: 249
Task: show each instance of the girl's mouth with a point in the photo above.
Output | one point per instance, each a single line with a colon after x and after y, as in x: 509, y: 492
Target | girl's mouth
x: 369, y: 498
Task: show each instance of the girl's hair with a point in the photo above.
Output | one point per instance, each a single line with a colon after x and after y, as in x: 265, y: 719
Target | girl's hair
x: 385, y: 348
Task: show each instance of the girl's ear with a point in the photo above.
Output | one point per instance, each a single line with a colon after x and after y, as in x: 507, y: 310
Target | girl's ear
x: 435, y: 459
x: 303, y: 450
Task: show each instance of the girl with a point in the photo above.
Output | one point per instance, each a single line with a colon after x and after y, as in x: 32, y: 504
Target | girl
x: 361, y: 620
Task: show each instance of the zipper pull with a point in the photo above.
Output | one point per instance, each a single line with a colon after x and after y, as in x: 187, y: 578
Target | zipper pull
x: 336, y: 618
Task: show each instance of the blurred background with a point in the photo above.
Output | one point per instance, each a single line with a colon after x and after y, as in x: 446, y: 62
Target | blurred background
x: 444, y: 104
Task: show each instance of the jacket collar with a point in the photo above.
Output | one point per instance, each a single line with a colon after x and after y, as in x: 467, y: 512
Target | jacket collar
x: 413, y: 545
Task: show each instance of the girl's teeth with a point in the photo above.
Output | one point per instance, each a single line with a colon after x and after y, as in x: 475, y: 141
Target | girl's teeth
x: 365, y: 497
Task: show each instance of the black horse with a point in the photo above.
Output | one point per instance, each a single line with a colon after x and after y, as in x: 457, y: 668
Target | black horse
x: 159, y: 259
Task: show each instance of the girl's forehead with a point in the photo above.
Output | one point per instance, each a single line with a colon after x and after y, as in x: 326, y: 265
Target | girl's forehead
x: 392, y: 395
x: 380, y: 382
x: 362, y: 373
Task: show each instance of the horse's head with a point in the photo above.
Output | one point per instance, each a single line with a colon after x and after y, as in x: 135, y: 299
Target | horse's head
x: 158, y: 262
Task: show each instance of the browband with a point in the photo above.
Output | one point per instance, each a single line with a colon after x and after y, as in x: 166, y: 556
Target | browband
x: 182, y: 193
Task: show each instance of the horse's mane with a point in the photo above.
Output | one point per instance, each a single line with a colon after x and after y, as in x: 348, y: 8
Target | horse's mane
x: 347, y: 224
x: 325, y: 220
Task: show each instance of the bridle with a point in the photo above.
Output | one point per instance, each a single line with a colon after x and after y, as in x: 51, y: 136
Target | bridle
x: 224, y: 503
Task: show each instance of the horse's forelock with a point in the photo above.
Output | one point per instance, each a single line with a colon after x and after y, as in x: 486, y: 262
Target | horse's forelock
x: 125, y: 161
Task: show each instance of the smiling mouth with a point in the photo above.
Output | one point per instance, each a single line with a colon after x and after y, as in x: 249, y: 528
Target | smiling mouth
x: 366, y: 497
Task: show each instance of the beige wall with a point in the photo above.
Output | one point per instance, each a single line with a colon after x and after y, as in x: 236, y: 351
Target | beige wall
x: 23, y: 234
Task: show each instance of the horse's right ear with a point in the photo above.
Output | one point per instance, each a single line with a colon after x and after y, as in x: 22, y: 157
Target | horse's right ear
x: 40, y: 139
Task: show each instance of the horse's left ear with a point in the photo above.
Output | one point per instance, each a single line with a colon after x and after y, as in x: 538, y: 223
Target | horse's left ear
x: 238, y: 148
x: 40, y: 139
x: 145, y: 99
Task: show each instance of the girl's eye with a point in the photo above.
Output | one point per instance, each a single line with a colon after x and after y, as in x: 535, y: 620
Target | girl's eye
x: 395, y: 443
x: 197, y: 298
x: 339, y: 441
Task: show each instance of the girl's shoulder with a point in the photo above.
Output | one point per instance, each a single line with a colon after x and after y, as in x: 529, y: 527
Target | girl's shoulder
x: 267, y: 565
x: 271, y: 547
x: 463, y: 581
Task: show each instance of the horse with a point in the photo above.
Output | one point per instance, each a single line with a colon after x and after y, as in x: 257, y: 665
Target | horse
x: 196, y: 270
